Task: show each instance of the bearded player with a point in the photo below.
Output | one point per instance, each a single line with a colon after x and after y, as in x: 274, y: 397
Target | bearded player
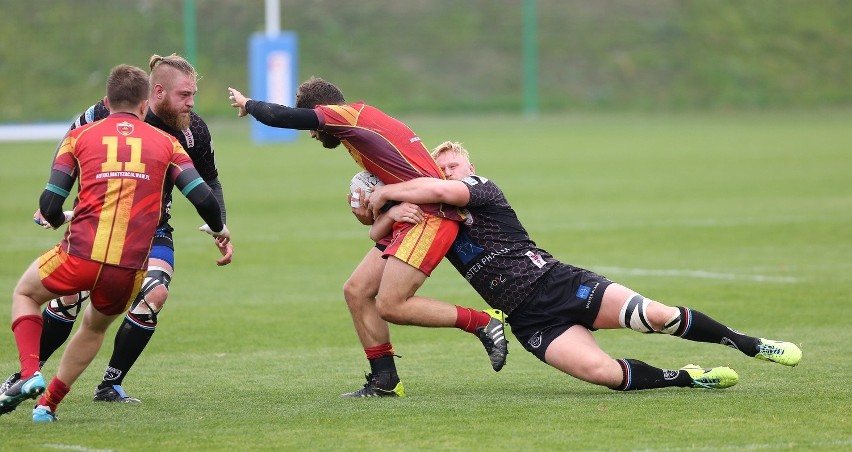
x: 173, y: 84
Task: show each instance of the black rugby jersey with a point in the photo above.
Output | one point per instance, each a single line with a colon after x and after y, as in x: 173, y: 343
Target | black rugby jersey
x: 493, y: 250
x: 196, y: 140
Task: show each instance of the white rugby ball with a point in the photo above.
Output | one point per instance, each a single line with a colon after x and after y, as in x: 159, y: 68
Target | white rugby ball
x: 366, y: 181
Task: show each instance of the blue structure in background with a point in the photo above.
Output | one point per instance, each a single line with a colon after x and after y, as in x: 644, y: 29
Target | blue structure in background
x: 273, y: 77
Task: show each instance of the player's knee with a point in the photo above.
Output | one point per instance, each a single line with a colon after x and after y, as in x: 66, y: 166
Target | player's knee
x: 658, y: 315
x: 67, y: 308
x: 648, y: 316
x: 674, y: 321
x: 389, y: 311
x: 634, y: 314
x: 71, y: 300
x: 351, y: 289
x: 152, y: 296
x: 357, y: 290
x: 157, y: 297
x: 387, y: 314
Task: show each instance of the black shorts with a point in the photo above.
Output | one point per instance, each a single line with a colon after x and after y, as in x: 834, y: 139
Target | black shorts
x: 568, y: 296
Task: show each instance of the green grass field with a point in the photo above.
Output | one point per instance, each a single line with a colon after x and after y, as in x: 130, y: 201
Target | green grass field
x: 744, y: 216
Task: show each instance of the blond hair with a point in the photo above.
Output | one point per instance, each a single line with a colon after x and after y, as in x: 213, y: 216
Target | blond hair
x: 159, y: 67
x: 450, y: 146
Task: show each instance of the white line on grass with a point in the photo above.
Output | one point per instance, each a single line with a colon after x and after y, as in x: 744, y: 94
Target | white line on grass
x: 777, y: 446
x: 697, y: 274
x: 74, y: 447
x: 554, y: 225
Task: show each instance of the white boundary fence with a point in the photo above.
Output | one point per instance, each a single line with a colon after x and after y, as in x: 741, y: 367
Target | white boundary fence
x: 33, y: 132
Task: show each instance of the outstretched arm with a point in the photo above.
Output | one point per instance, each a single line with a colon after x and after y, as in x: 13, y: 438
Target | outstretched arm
x: 423, y: 190
x: 274, y: 115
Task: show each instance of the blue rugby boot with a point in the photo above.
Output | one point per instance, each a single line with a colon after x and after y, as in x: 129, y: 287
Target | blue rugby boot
x: 21, y: 390
x: 42, y: 413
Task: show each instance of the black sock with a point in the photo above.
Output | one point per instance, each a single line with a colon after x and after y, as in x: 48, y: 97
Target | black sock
x: 130, y: 340
x: 701, y: 328
x: 53, y: 334
x: 384, y: 364
x: 384, y: 373
x: 639, y: 375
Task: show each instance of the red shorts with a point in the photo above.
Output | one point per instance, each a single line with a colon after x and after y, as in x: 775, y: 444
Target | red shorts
x: 423, y: 245
x: 112, y: 288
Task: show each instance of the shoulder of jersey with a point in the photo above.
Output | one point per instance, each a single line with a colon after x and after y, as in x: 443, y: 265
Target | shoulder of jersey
x: 474, y: 180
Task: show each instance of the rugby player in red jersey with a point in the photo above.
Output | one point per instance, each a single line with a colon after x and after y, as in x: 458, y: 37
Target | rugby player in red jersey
x: 171, y: 96
x: 389, y: 149
x: 122, y: 165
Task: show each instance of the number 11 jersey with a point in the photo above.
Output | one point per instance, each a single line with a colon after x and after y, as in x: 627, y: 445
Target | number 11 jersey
x: 122, y: 164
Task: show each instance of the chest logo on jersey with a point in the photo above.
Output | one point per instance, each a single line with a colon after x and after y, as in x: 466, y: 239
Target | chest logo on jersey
x: 465, y: 248
x: 474, y: 180
x: 125, y: 128
x: 190, y: 140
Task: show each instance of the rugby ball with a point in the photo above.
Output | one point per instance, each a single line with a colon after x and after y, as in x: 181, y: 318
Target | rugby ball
x: 366, y: 181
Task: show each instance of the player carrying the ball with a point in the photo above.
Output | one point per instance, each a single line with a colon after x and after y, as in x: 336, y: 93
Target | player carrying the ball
x: 386, y: 293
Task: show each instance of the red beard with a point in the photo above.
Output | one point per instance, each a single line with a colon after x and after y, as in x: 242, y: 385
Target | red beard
x: 171, y: 116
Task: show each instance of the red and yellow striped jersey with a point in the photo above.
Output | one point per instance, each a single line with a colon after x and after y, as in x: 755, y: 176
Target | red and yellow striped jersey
x: 383, y: 146
x: 122, y: 164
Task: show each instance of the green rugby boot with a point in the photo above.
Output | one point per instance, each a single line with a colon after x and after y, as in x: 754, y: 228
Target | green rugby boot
x: 786, y: 353
x: 713, y: 378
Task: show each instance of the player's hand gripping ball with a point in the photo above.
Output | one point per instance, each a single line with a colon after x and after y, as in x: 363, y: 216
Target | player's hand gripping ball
x: 366, y: 181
